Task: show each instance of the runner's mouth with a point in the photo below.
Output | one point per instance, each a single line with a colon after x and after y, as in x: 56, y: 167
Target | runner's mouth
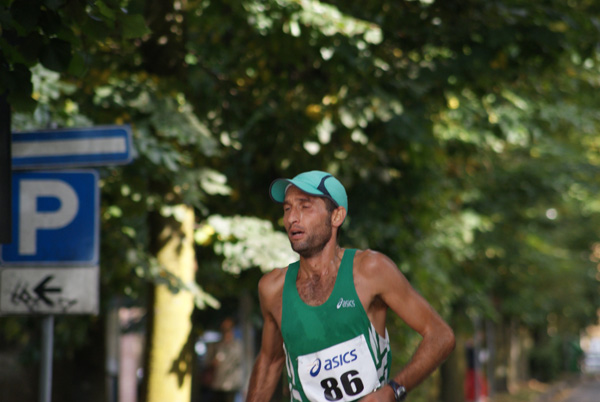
x: 296, y: 233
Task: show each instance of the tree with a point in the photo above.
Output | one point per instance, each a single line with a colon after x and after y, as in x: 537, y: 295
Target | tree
x: 169, y: 378
x: 60, y: 35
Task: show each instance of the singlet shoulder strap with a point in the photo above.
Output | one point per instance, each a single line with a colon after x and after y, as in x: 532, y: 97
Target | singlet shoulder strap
x: 345, y: 276
x: 289, y: 285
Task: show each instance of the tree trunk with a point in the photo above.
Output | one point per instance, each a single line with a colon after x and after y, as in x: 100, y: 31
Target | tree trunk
x: 501, y: 357
x: 169, y: 352
x: 452, y: 378
x: 452, y: 374
x: 520, y: 344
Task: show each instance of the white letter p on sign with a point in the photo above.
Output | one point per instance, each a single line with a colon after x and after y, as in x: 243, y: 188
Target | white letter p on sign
x: 31, y: 219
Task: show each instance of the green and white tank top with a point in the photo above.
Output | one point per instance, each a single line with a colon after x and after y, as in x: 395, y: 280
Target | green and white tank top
x: 333, y: 352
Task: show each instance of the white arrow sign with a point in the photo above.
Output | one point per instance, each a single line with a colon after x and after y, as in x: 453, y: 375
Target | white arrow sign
x: 49, y: 290
x: 101, y: 145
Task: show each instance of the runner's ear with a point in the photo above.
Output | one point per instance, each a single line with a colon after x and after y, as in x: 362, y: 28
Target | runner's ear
x: 338, y: 216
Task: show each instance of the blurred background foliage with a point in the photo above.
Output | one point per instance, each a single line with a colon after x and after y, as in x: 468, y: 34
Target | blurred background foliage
x: 466, y: 134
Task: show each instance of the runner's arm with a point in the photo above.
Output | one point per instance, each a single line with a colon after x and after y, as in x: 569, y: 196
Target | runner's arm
x: 268, y: 365
x: 438, y: 338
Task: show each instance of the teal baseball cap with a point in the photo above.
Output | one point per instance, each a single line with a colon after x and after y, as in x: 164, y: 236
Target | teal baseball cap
x: 315, y: 182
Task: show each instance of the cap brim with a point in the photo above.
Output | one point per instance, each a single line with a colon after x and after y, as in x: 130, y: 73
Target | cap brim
x: 277, y: 189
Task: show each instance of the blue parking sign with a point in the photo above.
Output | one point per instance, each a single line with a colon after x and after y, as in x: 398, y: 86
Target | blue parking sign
x: 55, y: 219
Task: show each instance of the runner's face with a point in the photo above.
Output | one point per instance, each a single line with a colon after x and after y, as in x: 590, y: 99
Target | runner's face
x: 307, y: 222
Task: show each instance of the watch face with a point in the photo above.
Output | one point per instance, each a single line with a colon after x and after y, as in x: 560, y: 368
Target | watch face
x: 399, y: 391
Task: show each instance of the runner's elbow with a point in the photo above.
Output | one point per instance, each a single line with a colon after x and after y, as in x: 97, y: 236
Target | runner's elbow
x: 449, y: 340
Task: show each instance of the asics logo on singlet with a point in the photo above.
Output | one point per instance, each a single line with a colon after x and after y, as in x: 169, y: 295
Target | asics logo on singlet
x: 334, y: 362
x: 316, y: 368
x: 345, y: 303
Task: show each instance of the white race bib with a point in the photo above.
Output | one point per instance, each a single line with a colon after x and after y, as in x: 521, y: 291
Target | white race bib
x: 344, y: 372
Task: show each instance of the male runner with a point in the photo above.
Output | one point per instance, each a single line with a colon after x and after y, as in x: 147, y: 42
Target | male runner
x: 324, y: 316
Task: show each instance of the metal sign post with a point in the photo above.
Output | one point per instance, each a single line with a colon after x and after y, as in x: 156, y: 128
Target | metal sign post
x: 46, y: 358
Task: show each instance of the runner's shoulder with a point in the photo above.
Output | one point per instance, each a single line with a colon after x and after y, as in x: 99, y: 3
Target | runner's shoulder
x: 371, y: 263
x: 271, y: 283
x: 371, y: 258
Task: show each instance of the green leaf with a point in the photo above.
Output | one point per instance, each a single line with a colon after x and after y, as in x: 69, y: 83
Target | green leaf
x: 9, y: 52
x: 54, y: 4
x: 75, y: 11
x: 20, y: 88
x: 26, y: 14
x: 56, y: 55
x: 29, y: 47
x: 134, y: 26
x: 77, y: 66
x: 95, y: 29
x: 51, y: 23
x: 107, y: 13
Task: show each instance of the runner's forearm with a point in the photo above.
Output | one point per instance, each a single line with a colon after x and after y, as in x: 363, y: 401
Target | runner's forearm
x: 432, y: 351
x: 263, y: 381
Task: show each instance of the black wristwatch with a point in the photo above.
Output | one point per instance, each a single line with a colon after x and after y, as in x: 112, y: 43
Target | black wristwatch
x: 399, y: 390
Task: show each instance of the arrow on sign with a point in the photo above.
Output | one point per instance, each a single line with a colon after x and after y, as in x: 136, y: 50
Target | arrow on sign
x: 41, y: 290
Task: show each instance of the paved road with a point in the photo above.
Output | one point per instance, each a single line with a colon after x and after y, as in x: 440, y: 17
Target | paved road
x: 587, y: 391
